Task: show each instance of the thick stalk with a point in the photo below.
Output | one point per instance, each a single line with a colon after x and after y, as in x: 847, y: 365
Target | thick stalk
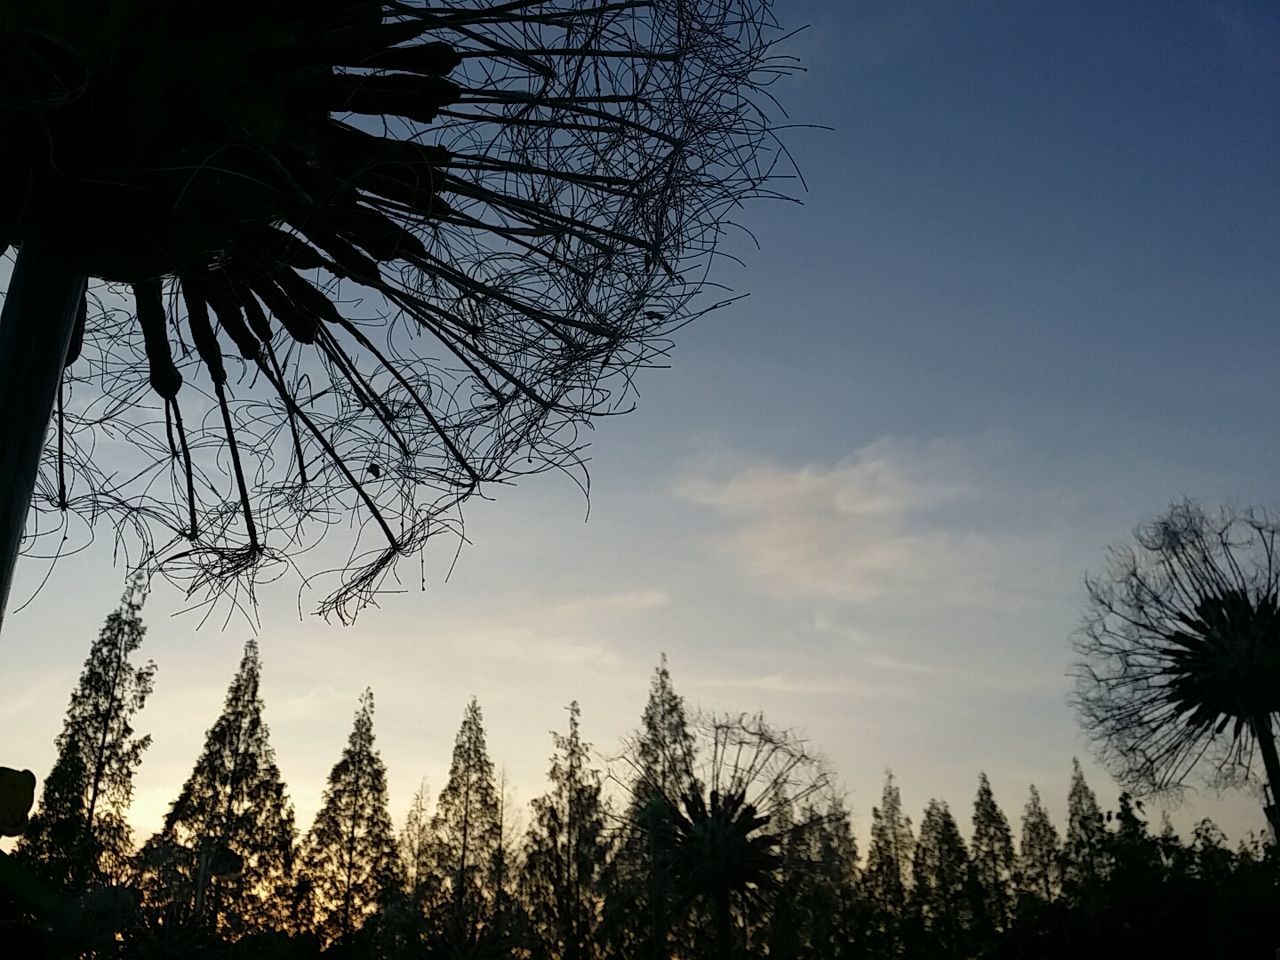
x: 1271, y: 762
x: 724, y: 922
x: 35, y: 330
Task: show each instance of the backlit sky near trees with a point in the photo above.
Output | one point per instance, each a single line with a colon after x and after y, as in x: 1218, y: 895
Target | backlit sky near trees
x: 1029, y: 299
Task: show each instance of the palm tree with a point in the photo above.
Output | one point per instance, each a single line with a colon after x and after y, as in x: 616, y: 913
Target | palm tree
x: 1181, y: 651
x: 523, y: 191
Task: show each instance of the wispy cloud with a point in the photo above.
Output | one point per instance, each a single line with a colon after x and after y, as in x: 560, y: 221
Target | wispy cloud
x: 619, y: 602
x: 786, y: 683
x: 892, y: 520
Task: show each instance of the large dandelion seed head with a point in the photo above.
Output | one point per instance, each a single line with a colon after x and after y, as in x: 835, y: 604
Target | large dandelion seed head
x: 1181, y: 648
x: 360, y: 260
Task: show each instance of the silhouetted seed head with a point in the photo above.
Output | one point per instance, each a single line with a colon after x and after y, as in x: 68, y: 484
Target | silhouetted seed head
x: 420, y: 236
x: 1181, y: 647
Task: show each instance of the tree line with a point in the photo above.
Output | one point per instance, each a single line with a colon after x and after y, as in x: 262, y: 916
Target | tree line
x: 711, y: 836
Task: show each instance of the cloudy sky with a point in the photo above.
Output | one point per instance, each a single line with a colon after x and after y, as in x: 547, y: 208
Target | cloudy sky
x: 1029, y: 299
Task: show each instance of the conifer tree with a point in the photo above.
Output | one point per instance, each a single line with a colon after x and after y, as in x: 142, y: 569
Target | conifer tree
x: 509, y: 923
x: 224, y: 857
x: 664, y: 750
x: 1213, y: 860
x: 1176, y: 858
x: 886, y: 878
x: 940, y: 898
x: 415, y: 850
x: 993, y: 859
x: 661, y: 758
x: 1040, y: 855
x: 1086, y: 861
x: 466, y: 834
x: 814, y: 911
x: 79, y: 836
x: 350, y: 864
x: 787, y: 924
x: 566, y: 848
x: 1134, y: 855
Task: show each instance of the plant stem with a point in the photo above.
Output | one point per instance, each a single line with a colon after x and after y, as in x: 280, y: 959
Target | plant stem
x: 1271, y: 762
x: 724, y: 922
x: 35, y: 330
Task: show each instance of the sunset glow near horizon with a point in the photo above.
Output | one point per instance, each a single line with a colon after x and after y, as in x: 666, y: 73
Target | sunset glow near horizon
x: 1028, y: 300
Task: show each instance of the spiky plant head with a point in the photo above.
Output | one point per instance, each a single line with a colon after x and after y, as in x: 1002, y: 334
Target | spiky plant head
x: 715, y: 842
x: 382, y: 252
x: 1226, y: 663
x: 1180, y: 647
x: 753, y: 798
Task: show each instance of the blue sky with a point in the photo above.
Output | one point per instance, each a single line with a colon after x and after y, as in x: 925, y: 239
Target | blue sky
x: 1029, y: 299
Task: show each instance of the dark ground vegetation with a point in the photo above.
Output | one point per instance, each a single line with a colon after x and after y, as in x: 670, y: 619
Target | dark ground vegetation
x: 701, y: 836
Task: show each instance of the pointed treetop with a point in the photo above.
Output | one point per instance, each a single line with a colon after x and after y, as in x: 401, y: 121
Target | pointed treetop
x: 80, y: 835
x: 664, y: 749
x: 233, y: 807
x: 993, y: 858
x: 351, y: 865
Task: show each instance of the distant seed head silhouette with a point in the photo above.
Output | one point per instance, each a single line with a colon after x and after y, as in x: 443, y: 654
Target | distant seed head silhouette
x: 1181, y: 649
x: 361, y: 257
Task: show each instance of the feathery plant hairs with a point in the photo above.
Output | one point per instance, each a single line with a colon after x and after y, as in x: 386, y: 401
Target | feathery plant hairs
x: 361, y: 258
x: 1180, y: 652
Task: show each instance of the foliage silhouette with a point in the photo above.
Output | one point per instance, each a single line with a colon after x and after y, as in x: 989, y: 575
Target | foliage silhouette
x: 816, y: 912
x: 1086, y: 859
x: 566, y: 849
x: 17, y: 794
x: 1039, y: 854
x: 79, y: 836
x: 224, y: 858
x: 942, y: 896
x: 466, y: 837
x: 660, y: 761
x: 416, y: 854
x: 993, y: 860
x: 886, y: 879
x: 349, y: 866
x: 755, y: 859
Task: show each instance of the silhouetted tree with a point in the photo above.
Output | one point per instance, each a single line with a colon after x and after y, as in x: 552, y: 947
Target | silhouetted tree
x: 466, y: 835
x: 815, y: 912
x: 659, y: 762
x: 1086, y: 856
x: 224, y: 858
x: 1135, y: 858
x: 1177, y: 858
x: 662, y: 754
x: 993, y: 859
x: 79, y: 836
x: 510, y: 923
x: 1181, y: 651
x: 416, y: 851
x: 565, y: 851
x: 528, y: 190
x: 717, y: 848
x: 1039, y: 854
x: 941, y: 900
x: 886, y: 879
x: 349, y: 862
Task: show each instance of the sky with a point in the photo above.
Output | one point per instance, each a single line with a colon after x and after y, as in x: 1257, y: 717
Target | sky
x: 1027, y: 299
